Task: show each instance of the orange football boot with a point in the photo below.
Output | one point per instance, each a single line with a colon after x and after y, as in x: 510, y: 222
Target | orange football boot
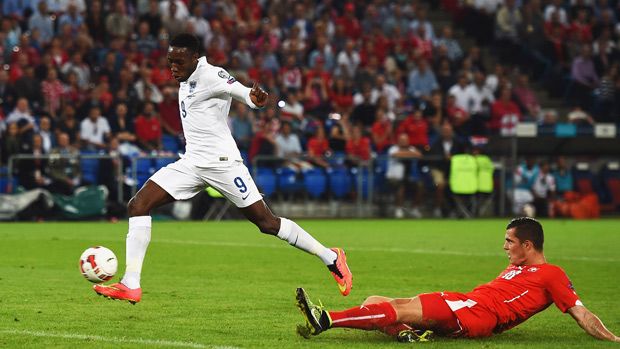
x: 341, y: 272
x: 120, y: 292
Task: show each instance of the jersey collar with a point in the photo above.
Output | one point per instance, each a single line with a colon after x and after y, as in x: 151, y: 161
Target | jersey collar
x: 202, y: 62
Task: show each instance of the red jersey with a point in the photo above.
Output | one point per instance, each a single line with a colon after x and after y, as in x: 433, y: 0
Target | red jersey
x: 518, y: 293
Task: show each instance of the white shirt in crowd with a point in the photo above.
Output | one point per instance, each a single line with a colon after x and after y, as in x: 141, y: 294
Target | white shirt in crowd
x: 94, y: 132
x: 395, y: 167
x: 476, y: 95
x: 288, y: 145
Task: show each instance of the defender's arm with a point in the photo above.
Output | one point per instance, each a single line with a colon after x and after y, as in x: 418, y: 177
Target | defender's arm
x: 591, y: 323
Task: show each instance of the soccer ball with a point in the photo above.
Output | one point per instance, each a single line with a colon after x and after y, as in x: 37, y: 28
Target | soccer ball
x: 98, y: 264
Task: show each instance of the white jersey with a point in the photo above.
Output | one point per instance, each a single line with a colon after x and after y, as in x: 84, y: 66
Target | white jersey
x: 204, y: 103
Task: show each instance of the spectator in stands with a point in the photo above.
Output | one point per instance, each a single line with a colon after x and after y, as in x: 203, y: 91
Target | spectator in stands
x: 8, y: 95
x: 109, y: 170
x: 48, y: 138
x: 358, y: 146
x: 41, y: 21
x: 585, y: 79
x: 64, y: 170
x: 290, y: 75
x: 148, y: 128
x: 342, y: 96
x: 33, y: 172
x: 289, y: 148
x: 146, y: 90
x: 548, y: 122
x: 400, y: 162
x: 95, y: 22
x: 459, y: 117
x: 480, y: 99
x: 347, y: 61
x: 71, y: 17
x: 459, y: 91
x: 118, y: 24
x: 79, y: 67
x: 526, y: 98
x: 544, y: 190
x: 579, y: 117
x: 318, y: 148
x: 52, y: 89
x: 416, y: 129
x: 440, y: 154
x: 381, y: 132
x: 365, y: 109
x: 339, y: 133
x: 421, y: 20
x: 556, y: 7
x: 316, y: 93
x: 69, y: 125
x: 453, y: 48
x: 445, y: 76
x: 605, y: 101
x: 422, y: 82
x: 264, y: 144
x: 11, y: 142
x: 121, y: 125
x: 24, y: 119
x: 27, y: 86
x: 242, y: 126
x: 94, y: 130
x: 563, y: 176
x: 505, y: 114
x: 524, y: 178
x: 382, y: 88
x: 199, y: 25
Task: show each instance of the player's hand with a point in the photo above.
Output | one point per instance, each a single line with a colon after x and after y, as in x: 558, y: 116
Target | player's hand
x: 258, y: 96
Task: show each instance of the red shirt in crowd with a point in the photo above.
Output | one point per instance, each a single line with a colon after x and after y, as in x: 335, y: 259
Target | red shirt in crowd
x: 417, y: 130
x: 499, y: 109
x: 317, y: 147
x: 381, y: 130
x: 359, y: 148
x: 148, y: 129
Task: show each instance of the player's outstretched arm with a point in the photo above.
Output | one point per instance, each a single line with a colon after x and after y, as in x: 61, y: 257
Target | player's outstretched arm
x: 255, y: 97
x: 591, y: 323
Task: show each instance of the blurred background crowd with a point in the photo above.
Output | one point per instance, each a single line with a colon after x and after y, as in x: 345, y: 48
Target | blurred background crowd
x: 361, y: 79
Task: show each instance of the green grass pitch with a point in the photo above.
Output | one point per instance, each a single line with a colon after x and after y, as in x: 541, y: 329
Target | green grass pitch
x: 225, y: 285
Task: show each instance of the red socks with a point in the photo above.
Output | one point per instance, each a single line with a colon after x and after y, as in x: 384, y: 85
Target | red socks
x: 366, y: 317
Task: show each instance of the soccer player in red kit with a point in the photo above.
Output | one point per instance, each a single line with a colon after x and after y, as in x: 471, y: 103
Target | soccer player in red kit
x: 527, y: 286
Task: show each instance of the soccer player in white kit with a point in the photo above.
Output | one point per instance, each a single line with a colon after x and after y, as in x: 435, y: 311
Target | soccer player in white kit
x: 211, y: 159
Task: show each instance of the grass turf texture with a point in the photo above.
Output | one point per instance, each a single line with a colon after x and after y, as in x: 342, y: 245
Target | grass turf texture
x: 217, y: 285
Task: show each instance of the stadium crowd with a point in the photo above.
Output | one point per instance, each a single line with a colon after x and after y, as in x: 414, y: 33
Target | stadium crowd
x: 362, y: 79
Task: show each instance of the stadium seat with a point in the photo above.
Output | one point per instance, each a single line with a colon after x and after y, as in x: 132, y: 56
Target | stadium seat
x: 315, y: 182
x: 357, y: 175
x: 144, y: 169
x: 163, y: 162
x: 287, y: 181
x: 266, y: 181
x: 339, y: 182
x: 170, y: 143
x: 89, y: 168
x: 584, y: 178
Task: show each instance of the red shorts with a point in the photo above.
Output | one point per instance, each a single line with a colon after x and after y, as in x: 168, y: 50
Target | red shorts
x: 436, y: 312
x: 454, y: 314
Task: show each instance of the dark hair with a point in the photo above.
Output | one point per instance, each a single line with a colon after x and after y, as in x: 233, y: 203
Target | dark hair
x: 188, y: 41
x: 527, y: 228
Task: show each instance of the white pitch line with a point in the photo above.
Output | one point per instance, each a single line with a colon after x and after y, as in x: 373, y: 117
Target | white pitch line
x: 379, y: 249
x: 118, y: 340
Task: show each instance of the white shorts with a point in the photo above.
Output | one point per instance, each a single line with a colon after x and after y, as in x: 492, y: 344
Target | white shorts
x: 182, y: 181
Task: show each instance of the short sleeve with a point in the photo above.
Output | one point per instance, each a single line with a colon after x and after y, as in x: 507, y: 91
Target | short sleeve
x: 562, y: 291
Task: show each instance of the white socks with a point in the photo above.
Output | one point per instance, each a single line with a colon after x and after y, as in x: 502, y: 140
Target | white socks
x: 137, y: 242
x: 296, y: 236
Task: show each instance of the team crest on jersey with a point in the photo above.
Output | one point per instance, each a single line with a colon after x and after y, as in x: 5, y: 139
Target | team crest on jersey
x: 533, y: 269
x: 192, y: 86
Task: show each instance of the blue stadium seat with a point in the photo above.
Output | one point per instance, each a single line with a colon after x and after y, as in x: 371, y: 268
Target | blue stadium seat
x: 266, y: 181
x: 144, y: 169
x: 315, y: 182
x: 287, y: 181
x: 170, y: 143
x: 90, y: 168
x: 339, y: 182
x: 163, y: 162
